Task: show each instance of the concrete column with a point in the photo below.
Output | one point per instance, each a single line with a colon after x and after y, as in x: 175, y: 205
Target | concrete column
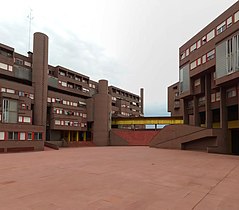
x: 185, y: 113
x: 102, y: 114
x: 69, y: 136
x: 142, y: 100
x: 223, y: 122
x: 196, y: 111
x: 84, y: 136
x: 77, y: 135
x: 208, y: 101
x: 40, y: 77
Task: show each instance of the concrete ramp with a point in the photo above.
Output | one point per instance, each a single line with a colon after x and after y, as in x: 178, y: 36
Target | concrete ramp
x: 186, y: 137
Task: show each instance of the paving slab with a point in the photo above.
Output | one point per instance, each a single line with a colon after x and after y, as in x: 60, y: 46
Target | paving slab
x: 106, y: 178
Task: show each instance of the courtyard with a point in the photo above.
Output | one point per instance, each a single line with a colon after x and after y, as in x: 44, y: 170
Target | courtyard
x: 115, y: 178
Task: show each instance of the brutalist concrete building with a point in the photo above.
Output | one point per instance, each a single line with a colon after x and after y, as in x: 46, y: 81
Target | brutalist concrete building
x: 207, y: 94
x: 40, y: 102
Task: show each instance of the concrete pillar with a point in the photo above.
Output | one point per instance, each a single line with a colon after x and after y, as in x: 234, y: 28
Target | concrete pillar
x: 84, y: 136
x: 223, y: 122
x: 40, y: 77
x: 102, y: 114
x: 196, y: 111
x: 208, y: 101
x: 77, y: 135
x: 69, y: 136
x: 185, y: 113
x: 142, y: 100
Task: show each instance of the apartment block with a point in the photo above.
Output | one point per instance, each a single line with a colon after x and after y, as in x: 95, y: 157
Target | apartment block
x: 208, y: 88
x: 40, y: 102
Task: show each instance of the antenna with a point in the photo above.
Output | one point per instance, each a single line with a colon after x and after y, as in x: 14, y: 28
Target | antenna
x: 30, y: 24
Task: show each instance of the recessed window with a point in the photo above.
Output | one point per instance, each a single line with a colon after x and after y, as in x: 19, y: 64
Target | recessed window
x: 193, y: 47
x: 183, y: 55
x: 231, y: 93
x: 37, y: 136
x: 187, y: 52
x: 198, y: 44
x: 22, y: 136
x: 193, y: 65
x: 213, y: 97
x: 199, y: 61
x: 210, y: 55
x: 218, y: 96
x: 236, y: 16
x: 204, y: 40
x: 2, y: 134
x: 210, y: 35
x: 221, y: 27
x: 229, y: 21
x: 13, y: 135
x: 197, y: 82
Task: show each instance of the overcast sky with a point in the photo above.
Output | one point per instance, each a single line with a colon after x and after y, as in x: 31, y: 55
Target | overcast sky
x: 131, y: 43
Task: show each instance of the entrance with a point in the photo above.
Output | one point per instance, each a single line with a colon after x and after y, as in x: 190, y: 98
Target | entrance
x: 235, y: 141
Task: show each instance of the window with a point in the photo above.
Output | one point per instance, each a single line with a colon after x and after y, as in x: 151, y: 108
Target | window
x: 3, y: 66
x: 229, y: 56
x: 199, y: 61
x: 10, y: 91
x: 204, y: 58
x: 49, y: 100
x: 193, y: 47
x: 221, y: 27
x: 9, y: 111
x: 197, y: 82
x: 2, y: 134
x: 229, y: 21
x: 13, y: 135
x: 27, y: 64
x: 37, y: 136
x: 19, y: 61
x: 213, y: 97
x: 210, y: 35
x: 218, y: 96
x: 20, y: 119
x: 29, y: 136
x: 27, y: 119
x: 22, y: 136
x: 57, y: 122
x: 231, y: 93
x: 198, y: 44
x: 201, y: 101
x: 193, y: 65
x: 236, y: 16
x: 204, y: 40
x: 187, y: 52
x: 183, y: 55
x: 21, y: 93
x: 210, y: 55
x: 64, y: 84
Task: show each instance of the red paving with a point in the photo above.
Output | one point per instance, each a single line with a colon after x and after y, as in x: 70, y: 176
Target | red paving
x: 112, y: 178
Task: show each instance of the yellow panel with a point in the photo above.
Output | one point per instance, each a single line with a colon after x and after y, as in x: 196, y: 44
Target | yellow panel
x: 147, y: 121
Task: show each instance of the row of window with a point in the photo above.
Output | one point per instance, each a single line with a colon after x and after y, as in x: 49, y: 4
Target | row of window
x: 22, y: 62
x: 68, y: 112
x: 20, y: 93
x: 219, y: 29
x: 20, y: 135
x: 5, y: 66
x: 23, y: 119
x: 125, y: 94
x: 65, y: 102
x: 70, y: 123
x: 73, y: 86
x: 73, y: 76
x: 205, y: 58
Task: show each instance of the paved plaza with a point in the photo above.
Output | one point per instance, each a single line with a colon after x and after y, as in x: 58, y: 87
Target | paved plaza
x: 112, y: 178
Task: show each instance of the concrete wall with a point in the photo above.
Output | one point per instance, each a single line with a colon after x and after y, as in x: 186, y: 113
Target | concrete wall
x: 186, y: 137
x: 17, y: 146
x: 124, y: 137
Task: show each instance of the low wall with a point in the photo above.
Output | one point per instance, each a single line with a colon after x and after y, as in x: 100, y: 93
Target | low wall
x: 18, y: 146
x: 124, y: 137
